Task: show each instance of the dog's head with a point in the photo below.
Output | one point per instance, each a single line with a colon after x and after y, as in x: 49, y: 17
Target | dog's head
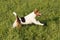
x: 37, y: 13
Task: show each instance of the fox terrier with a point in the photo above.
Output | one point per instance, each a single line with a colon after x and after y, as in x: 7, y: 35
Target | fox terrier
x: 29, y: 19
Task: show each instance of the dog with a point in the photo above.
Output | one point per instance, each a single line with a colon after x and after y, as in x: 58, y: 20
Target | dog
x: 29, y: 19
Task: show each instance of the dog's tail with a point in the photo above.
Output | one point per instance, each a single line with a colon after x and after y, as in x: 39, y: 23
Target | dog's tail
x: 15, y: 13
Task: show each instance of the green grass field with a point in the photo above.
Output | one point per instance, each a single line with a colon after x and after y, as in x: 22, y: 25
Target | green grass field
x: 50, y: 10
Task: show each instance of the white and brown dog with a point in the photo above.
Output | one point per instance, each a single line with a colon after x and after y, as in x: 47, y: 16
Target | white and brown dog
x: 29, y: 19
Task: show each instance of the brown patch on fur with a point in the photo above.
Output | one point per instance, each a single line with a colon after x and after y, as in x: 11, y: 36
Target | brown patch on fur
x: 18, y: 22
x: 36, y: 11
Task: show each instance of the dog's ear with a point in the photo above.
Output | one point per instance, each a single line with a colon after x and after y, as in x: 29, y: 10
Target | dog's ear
x: 35, y: 10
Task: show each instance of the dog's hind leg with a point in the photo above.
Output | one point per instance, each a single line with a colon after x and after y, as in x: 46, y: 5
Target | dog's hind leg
x: 17, y: 21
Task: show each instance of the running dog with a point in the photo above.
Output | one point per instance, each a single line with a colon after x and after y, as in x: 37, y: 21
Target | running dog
x: 29, y: 19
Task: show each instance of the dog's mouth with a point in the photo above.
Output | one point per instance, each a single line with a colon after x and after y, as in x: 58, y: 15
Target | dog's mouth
x: 39, y: 15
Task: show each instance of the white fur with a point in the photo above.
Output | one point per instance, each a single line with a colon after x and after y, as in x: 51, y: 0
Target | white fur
x: 14, y: 24
x: 14, y: 13
x: 29, y: 19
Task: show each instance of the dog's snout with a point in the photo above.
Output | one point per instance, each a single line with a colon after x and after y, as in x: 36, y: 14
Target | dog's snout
x: 39, y: 14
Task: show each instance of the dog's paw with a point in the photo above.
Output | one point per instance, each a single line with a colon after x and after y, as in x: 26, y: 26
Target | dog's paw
x: 42, y: 24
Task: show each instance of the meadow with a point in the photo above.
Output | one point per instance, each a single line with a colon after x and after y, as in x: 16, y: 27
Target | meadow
x: 50, y: 10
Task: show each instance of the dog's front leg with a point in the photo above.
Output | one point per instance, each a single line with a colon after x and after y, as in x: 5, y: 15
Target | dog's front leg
x: 37, y: 22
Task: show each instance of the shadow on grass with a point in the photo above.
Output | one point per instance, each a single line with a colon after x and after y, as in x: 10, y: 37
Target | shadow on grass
x: 48, y: 20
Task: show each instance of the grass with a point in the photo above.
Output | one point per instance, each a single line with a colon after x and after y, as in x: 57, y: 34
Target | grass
x: 50, y: 10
